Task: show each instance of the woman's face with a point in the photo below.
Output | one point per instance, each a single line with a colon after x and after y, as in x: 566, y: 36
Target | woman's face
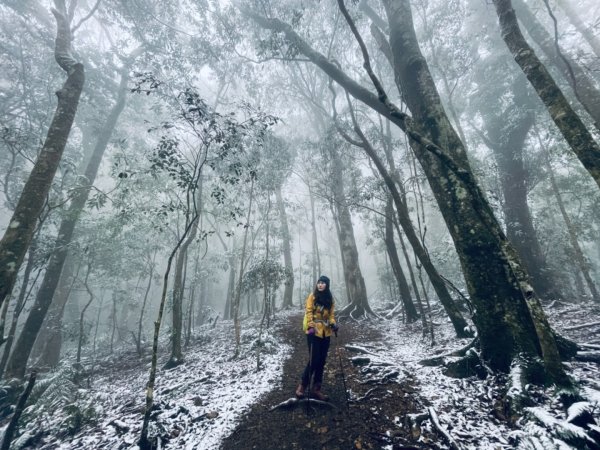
x: 321, y: 286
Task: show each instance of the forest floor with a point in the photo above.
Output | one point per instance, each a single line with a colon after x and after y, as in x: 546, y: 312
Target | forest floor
x: 362, y: 414
x: 391, y: 400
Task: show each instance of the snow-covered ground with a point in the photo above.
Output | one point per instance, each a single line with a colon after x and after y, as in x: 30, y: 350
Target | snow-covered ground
x: 200, y: 402
x: 469, y: 408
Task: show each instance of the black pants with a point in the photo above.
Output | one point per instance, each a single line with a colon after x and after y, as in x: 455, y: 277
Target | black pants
x: 317, y: 351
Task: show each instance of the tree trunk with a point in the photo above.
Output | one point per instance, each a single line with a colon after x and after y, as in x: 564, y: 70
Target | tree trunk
x: 458, y: 321
x: 238, y: 290
x: 49, y: 341
x: 228, y: 313
x: 82, y: 315
x: 507, y: 135
x: 357, y: 291
x: 336, y: 223
x: 178, y: 286
x: 583, y: 87
x: 566, y: 119
x: 404, y: 290
x: 316, y: 257
x: 13, y: 424
x: 176, y: 357
x: 139, y: 347
x: 507, y: 313
x: 496, y: 282
x: 288, y: 293
x: 19, y: 233
x: 18, y: 307
x: 144, y: 442
x: 66, y: 230
x: 579, y: 258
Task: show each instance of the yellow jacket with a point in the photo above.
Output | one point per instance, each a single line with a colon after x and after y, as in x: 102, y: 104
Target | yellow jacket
x: 319, y: 317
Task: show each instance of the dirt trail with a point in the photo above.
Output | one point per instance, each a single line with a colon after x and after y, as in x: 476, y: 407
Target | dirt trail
x: 375, y: 422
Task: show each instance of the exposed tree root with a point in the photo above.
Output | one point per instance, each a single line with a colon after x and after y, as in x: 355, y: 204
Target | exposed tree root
x: 357, y: 349
x: 441, y: 359
x: 583, y: 325
x: 293, y: 402
x: 416, y: 420
x: 367, y: 395
x: 352, y: 312
x: 441, y: 430
x: 592, y: 346
x: 588, y: 357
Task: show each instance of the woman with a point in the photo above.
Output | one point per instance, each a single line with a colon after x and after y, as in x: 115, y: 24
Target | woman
x: 319, y: 320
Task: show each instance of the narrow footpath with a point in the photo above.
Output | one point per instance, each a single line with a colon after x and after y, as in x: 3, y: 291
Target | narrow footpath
x: 375, y: 417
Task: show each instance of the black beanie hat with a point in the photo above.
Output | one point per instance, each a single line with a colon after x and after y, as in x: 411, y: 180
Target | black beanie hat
x: 325, y: 280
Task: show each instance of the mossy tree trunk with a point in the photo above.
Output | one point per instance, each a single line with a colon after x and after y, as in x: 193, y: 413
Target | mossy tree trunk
x: 399, y: 199
x: 507, y: 131
x: 566, y: 119
x: 45, y: 294
x: 497, y: 283
x: 507, y: 313
x: 21, y: 227
x: 583, y: 87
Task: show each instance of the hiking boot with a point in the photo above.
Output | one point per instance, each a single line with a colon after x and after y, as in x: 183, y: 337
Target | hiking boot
x: 300, y: 390
x: 316, y: 393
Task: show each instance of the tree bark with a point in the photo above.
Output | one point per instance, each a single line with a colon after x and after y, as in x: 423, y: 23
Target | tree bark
x: 43, y: 300
x: 12, y: 426
x: 82, y: 314
x: 18, y: 307
x: 49, y: 341
x: 458, y: 321
x: 566, y: 119
x: 496, y: 282
x: 507, y: 131
x: 287, y: 252
x: 390, y: 245
x: 179, y: 287
x: 580, y: 259
x: 152, y: 265
x: 238, y: 290
x: 583, y: 87
x: 357, y: 291
x: 19, y: 233
x: 507, y: 312
x: 316, y: 257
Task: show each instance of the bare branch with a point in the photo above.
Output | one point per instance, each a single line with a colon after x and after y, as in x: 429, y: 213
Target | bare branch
x: 87, y: 17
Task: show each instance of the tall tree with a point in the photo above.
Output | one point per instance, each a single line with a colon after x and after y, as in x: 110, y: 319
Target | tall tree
x: 287, y: 251
x: 399, y: 199
x: 507, y: 315
x: 508, y: 125
x: 18, y: 236
x: 566, y: 119
x: 575, y: 75
x: 390, y: 245
x: 355, y: 283
x: 24, y: 345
